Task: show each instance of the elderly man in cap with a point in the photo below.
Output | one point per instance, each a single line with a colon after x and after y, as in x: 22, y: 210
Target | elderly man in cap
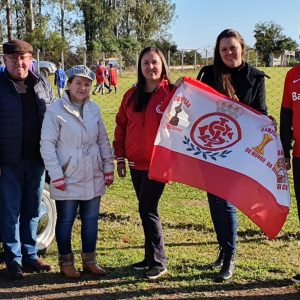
x: 23, y: 99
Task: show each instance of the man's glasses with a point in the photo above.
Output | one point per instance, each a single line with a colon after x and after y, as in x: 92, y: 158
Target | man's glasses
x: 16, y: 58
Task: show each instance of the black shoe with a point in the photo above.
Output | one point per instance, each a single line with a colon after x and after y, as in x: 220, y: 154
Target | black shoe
x: 219, y: 261
x: 227, y: 269
x: 14, y: 271
x: 155, y: 272
x: 296, y: 278
x: 36, y: 266
x: 140, y: 266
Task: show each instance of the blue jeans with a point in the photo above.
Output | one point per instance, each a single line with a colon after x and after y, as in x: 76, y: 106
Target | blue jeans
x: 224, y: 217
x: 21, y: 188
x: 60, y: 91
x: 66, y: 214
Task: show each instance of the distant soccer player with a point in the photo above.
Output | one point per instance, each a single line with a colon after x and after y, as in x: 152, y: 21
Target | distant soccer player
x: 113, y: 77
x: 102, y: 80
x: 60, y: 79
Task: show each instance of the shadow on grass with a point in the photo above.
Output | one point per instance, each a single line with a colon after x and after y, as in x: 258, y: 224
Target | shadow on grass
x: 121, y: 283
x: 248, y: 235
x: 251, y: 235
x: 183, y: 244
x: 112, y: 217
x: 188, y: 226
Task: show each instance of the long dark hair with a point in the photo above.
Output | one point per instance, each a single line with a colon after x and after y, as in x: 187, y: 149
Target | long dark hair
x: 222, y: 76
x: 140, y: 103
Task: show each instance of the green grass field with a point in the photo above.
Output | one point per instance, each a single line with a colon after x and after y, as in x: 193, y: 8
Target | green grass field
x: 264, y: 267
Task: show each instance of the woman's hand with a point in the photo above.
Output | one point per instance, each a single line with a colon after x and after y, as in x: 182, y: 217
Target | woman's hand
x: 109, y: 178
x: 287, y: 163
x: 121, y: 168
x: 59, y: 184
x: 178, y: 81
x: 274, y: 122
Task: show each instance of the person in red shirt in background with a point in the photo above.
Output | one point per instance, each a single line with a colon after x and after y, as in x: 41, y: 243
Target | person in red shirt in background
x: 102, y: 80
x: 290, y: 130
x: 113, y: 77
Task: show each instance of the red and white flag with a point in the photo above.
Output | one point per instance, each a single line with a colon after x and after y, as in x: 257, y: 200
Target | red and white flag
x: 210, y: 142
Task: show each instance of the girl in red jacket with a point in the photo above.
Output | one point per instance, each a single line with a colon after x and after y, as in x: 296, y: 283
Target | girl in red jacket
x: 137, y: 123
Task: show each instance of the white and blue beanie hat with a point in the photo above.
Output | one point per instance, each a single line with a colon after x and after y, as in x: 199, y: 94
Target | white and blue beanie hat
x: 81, y: 71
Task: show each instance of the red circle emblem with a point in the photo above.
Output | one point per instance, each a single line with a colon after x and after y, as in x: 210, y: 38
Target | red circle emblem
x: 215, y: 131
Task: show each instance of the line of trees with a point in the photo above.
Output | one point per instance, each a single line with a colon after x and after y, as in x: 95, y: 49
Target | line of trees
x: 270, y: 37
x: 110, y: 27
x: 100, y: 26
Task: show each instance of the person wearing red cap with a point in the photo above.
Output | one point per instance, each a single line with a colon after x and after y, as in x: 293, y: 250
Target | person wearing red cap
x: 23, y: 99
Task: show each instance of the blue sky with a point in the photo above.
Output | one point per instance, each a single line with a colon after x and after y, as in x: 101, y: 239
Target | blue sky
x: 199, y: 22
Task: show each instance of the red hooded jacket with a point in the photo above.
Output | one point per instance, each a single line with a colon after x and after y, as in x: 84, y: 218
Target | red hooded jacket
x: 135, y: 132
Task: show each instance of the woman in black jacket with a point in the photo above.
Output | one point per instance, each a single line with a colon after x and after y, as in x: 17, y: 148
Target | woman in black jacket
x: 232, y: 76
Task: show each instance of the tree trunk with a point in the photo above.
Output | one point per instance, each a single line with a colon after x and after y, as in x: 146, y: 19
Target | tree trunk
x: 9, y: 20
x: 1, y: 34
x: 29, y: 15
x: 62, y: 18
x: 18, y: 21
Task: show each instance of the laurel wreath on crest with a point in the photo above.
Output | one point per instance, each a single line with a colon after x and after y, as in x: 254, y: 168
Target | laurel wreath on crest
x: 205, y: 154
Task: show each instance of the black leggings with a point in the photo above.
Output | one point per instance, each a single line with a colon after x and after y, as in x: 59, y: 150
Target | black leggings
x: 148, y: 193
x: 296, y: 175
